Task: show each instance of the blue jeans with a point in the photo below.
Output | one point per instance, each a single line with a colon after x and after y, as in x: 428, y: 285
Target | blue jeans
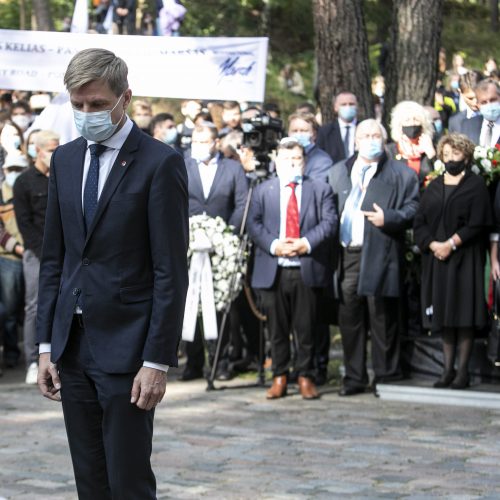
x: 11, y: 295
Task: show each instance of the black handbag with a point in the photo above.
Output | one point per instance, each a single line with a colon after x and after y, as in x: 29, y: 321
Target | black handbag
x: 494, y: 335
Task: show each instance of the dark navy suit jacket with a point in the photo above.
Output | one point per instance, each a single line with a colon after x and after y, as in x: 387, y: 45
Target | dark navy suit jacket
x: 318, y: 223
x: 318, y: 164
x: 472, y: 129
x: 227, y: 195
x: 130, y: 268
x: 329, y: 139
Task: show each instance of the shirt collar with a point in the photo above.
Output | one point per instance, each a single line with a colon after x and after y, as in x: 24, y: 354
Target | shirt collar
x: 213, y: 162
x: 117, y: 140
x: 343, y: 124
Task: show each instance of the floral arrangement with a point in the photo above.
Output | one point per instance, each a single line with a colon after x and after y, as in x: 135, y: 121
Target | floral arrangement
x: 486, y: 163
x: 223, y: 255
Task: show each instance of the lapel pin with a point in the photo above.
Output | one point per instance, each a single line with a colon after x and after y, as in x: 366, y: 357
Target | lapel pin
x: 124, y: 163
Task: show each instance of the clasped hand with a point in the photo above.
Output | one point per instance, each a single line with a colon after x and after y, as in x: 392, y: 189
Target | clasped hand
x: 291, y: 247
x: 376, y: 217
x: 441, y: 250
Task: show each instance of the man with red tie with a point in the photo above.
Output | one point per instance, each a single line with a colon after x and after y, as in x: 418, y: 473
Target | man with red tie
x: 292, y: 221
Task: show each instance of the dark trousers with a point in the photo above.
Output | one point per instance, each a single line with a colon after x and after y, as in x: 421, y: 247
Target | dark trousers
x: 110, y: 439
x: 195, y: 350
x: 290, y: 304
x: 357, y: 316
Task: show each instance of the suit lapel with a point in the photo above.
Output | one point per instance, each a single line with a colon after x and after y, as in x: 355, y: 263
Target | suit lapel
x: 80, y: 150
x: 218, y: 174
x: 306, y: 197
x: 122, y: 164
x: 195, y: 180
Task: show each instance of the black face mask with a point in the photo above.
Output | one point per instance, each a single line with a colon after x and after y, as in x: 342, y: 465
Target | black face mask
x: 412, y: 131
x: 455, y: 167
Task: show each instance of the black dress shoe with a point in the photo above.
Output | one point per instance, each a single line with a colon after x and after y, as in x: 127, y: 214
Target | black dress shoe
x: 445, y: 380
x: 460, y: 382
x: 350, y: 390
x: 321, y: 377
x: 223, y: 374
x: 191, y: 374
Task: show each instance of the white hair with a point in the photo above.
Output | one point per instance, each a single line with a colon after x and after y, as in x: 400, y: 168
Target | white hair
x: 409, y: 109
x: 369, y: 123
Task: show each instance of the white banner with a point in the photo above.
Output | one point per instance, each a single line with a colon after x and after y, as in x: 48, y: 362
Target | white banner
x: 175, y: 67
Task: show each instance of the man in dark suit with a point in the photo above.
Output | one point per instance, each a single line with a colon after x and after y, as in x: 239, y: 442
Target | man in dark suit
x: 337, y: 137
x: 467, y: 84
x: 292, y: 222
x: 113, y: 281
x: 217, y: 187
x: 377, y: 199
x: 484, y: 129
x: 304, y: 128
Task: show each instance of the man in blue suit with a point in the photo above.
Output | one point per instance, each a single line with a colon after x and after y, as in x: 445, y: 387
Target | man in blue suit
x: 292, y: 222
x: 303, y: 127
x: 113, y: 281
x: 217, y: 187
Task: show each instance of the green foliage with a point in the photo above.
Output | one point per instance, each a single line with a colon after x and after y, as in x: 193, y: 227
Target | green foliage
x: 9, y: 15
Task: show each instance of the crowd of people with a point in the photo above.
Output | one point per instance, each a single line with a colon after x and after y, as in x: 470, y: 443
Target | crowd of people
x: 332, y: 212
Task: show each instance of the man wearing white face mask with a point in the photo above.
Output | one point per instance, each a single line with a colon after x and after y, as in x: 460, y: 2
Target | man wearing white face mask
x: 217, y: 187
x: 292, y: 221
x: 11, y: 268
x: 337, y: 137
x: 377, y: 199
x: 30, y: 203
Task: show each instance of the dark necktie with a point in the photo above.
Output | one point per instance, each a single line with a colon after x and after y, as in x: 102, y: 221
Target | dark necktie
x: 488, y: 135
x: 91, y: 191
x: 347, y: 141
x: 292, y: 214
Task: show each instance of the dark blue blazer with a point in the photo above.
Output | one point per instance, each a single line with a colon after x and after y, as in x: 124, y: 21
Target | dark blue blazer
x: 455, y: 122
x: 318, y: 223
x: 472, y: 128
x: 130, y: 268
x: 329, y: 139
x: 227, y: 195
x: 318, y: 164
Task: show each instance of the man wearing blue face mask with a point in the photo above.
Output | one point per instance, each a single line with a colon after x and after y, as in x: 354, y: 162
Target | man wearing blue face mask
x: 484, y: 129
x: 337, y: 137
x: 377, y: 199
x: 163, y: 128
x: 303, y: 127
x: 113, y: 281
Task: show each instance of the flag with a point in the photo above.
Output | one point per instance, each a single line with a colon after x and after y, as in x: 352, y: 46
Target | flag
x: 80, y: 21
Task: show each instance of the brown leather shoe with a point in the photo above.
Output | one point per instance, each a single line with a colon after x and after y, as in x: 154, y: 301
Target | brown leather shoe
x: 307, y: 388
x: 278, y: 389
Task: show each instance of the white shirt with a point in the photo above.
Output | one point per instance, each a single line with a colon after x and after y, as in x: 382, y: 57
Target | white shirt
x: 207, y: 174
x: 106, y: 161
x: 495, y: 133
x: 358, y: 219
x: 285, y: 193
x: 352, y: 130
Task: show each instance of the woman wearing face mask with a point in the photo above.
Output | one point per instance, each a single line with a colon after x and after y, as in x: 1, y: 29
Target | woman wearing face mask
x: 29, y: 146
x: 450, y: 229
x: 412, y: 132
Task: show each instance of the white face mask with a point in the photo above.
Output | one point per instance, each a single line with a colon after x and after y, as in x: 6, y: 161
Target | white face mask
x: 201, y: 152
x: 289, y: 173
x: 22, y: 121
x: 96, y: 126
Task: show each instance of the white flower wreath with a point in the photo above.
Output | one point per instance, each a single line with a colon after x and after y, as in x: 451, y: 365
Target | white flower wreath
x: 223, y: 255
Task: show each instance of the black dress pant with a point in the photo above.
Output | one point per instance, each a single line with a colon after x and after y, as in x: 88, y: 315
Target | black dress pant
x: 357, y: 316
x: 290, y: 304
x: 110, y: 439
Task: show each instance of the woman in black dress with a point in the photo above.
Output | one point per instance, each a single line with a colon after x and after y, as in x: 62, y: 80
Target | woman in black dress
x: 451, y: 228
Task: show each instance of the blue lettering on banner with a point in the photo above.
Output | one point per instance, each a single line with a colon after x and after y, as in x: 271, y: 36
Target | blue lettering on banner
x: 230, y: 68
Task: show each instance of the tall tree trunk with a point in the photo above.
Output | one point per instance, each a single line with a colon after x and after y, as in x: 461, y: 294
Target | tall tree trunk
x: 494, y: 15
x: 413, y: 59
x: 342, y: 54
x: 43, y: 17
x: 22, y: 14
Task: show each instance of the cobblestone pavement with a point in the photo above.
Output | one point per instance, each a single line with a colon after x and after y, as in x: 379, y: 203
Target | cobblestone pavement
x: 233, y: 444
